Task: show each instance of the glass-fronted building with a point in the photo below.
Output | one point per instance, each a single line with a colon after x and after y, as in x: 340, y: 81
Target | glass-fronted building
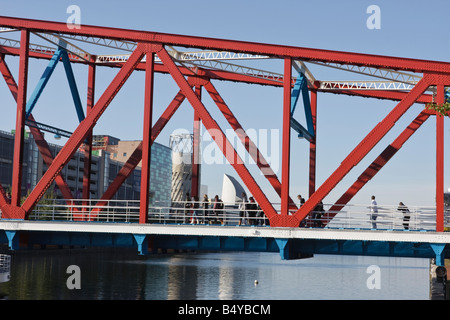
x: 104, y: 169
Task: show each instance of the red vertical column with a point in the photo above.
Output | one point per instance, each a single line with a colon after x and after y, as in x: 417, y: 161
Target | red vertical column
x: 88, y: 142
x: 440, y: 162
x: 20, y: 119
x: 146, y: 145
x: 312, y: 145
x: 195, y: 182
x: 285, y: 158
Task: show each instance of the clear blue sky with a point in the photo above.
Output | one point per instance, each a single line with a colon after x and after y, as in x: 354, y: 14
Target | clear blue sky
x: 415, y: 29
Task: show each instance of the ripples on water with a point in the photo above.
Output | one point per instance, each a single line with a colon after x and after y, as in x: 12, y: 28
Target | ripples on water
x: 212, y: 276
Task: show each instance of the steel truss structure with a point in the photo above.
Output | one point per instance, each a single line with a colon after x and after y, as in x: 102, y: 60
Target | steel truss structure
x: 194, y: 63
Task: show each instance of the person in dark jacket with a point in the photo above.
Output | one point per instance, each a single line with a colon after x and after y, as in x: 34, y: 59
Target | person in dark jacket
x: 317, y: 215
x: 251, y: 209
x: 406, y: 214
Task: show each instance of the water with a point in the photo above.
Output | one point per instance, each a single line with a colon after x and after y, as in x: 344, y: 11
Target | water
x: 42, y: 275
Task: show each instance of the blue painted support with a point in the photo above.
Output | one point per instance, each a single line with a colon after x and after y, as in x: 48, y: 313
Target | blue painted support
x: 142, y: 243
x: 295, y: 94
x: 301, y: 86
x: 73, y: 85
x: 13, y: 241
x: 302, y: 132
x: 438, y: 249
x: 60, y: 53
x: 283, y: 245
x: 307, y: 107
x: 42, y: 82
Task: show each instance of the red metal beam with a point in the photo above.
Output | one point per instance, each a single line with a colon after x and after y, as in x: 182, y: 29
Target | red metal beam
x: 286, y: 147
x: 87, y: 146
x: 229, y: 76
x: 38, y: 137
x: 4, y: 202
x: 159, y: 68
x: 9, y: 79
x: 218, y: 136
x: 83, y: 129
x: 440, y: 99
x: 312, y: 145
x: 195, y: 180
x: 136, y: 156
x: 305, y: 54
x: 288, y: 53
x: 364, y: 147
x: 376, y: 166
x: 88, y: 143
x: 20, y: 119
x: 44, y: 150
x: 249, y: 145
x: 146, y: 140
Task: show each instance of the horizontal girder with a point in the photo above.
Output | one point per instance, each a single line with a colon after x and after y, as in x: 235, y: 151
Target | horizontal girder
x: 276, y: 51
x: 217, y: 60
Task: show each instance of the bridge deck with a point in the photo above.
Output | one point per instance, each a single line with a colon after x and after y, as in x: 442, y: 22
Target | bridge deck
x: 228, y: 231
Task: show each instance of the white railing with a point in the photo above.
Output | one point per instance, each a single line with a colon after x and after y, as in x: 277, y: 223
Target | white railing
x: 5, y: 267
x: 128, y: 211
x: 388, y: 217
x: 351, y: 216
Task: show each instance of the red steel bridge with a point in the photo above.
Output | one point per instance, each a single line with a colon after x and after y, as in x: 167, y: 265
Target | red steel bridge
x: 196, y: 63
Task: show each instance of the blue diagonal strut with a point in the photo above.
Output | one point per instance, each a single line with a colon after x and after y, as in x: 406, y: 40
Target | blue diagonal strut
x: 42, y: 82
x: 60, y: 53
x: 301, y: 86
x: 307, y: 106
x: 72, y: 85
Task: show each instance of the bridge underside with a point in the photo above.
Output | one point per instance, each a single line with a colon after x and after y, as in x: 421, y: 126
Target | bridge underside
x: 288, y: 248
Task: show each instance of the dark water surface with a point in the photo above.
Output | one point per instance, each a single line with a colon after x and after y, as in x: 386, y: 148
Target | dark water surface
x: 121, y: 275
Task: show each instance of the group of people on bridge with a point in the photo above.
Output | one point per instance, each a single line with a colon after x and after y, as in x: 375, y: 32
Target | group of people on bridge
x: 401, y: 208
x: 212, y: 211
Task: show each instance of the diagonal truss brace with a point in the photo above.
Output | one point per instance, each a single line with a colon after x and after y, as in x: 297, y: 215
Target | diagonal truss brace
x: 217, y: 134
x: 59, y: 54
x: 376, y: 165
x: 249, y: 145
x: 35, y: 127
x: 83, y: 129
x: 301, y: 86
x: 136, y: 156
x: 364, y: 147
x: 42, y: 145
